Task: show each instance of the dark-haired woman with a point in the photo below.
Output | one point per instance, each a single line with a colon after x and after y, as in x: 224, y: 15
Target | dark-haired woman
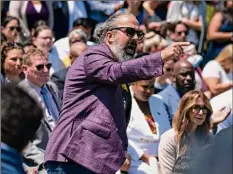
x: 11, y: 28
x: 11, y: 63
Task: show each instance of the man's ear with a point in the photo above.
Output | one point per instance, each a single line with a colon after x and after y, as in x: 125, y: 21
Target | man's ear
x: 25, y: 69
x: 111, y: 37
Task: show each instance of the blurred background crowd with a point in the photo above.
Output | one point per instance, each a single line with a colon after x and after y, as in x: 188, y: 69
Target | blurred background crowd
x: 63, y: 30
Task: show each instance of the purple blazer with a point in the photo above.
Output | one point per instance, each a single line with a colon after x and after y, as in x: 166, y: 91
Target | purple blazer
x: 91, y: 130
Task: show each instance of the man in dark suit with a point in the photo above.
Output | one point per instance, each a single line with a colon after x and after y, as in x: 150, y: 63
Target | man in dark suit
x: 59, y: 77
x: 90, y: 135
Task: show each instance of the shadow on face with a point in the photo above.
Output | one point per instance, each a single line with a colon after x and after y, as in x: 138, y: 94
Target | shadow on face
x: 143, y: 89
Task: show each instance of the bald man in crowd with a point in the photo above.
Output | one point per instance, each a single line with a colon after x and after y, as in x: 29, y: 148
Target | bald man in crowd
x: 59, y: 77
x: 183, y: 81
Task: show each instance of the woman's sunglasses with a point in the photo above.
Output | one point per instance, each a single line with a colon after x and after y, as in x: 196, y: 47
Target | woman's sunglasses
x: 180, y: 32
x: 18, y: 29
x: 40, y: 67
x: 196, y: 109
x: 130, y: 32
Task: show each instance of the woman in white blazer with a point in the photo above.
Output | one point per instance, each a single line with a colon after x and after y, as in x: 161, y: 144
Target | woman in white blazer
x: 142, y: 136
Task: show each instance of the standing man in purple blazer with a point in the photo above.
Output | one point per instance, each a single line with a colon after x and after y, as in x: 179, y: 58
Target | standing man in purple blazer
x: 90, y: 134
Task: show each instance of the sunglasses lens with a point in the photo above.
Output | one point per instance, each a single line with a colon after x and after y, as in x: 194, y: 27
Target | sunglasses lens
x: 15, y: 28
x: 40, y: 67
x: 130, y: 31
x: 48, y: 66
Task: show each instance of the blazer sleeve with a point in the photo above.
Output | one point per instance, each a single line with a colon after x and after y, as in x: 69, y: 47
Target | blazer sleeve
x: 101, y: 68
x: 167, y: 152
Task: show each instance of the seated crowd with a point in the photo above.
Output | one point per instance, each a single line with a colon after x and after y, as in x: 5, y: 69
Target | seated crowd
x: 173, y: 118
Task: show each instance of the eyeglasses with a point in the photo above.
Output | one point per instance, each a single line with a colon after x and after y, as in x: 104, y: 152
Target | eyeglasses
x: 196, y: 109
x: 168, y: 69
x: 130, y: 32
x: 18, y: 29
x: 40, y: 67
x: 180, y: 32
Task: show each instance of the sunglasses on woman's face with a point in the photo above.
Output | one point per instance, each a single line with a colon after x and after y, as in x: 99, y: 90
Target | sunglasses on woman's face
x: 197, y: 108
x: 130, y: 32
x: 18, y: 29
x: 40, y: 67
x: 180, y: 32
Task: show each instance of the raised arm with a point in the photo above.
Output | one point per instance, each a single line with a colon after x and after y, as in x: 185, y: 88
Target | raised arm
x: 99, y: 66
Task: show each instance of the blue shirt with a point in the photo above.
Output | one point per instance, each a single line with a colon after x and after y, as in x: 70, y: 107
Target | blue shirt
x: 11, y: 160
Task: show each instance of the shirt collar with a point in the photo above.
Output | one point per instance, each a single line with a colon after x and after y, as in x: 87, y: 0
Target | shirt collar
x: 37, y: 88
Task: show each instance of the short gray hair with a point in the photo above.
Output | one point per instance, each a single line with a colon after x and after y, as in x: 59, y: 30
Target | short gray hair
x: 102, y: 29
x: 78, y: 31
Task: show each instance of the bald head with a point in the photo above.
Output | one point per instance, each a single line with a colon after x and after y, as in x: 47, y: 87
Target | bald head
x: 76, y: 49
x: 181, y: 64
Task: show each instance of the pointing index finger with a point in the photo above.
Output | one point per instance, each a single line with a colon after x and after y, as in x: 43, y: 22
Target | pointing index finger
x: 183, y: 43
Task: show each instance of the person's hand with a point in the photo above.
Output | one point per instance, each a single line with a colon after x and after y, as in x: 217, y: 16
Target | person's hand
x: 173, y: 50
x: 126, y: 165
x: 220, y: 115
x: 145, y: 158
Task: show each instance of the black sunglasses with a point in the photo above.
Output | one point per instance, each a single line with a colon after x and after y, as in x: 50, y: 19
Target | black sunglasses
x: 180, y: 32
x: 40, y: 67
x: 18, y: 29
x: 196, y: 109
x: 168, y: 69
x: 130, y: 32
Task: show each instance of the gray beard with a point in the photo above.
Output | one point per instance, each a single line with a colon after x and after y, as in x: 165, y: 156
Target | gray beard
x: 121, y: 54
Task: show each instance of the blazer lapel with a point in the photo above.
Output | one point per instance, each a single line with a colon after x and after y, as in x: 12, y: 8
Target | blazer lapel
x: 141, y: 118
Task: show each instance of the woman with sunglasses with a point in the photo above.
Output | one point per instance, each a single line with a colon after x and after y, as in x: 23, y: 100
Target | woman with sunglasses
x: 11, y: 28
x: 190, y: 132
x: 11, y: 63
